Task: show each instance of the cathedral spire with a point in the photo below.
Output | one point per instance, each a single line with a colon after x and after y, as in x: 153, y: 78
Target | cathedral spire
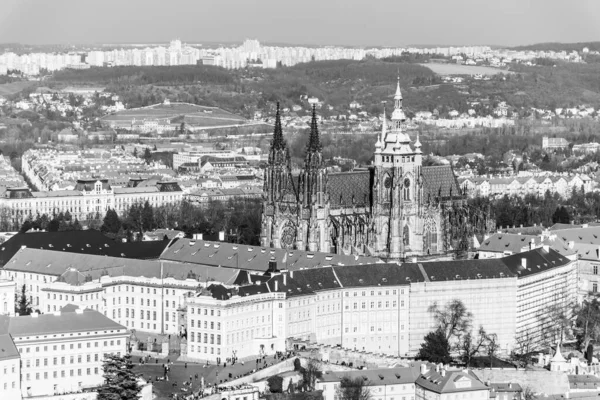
x: 314, y: 141
x: 278, y: 142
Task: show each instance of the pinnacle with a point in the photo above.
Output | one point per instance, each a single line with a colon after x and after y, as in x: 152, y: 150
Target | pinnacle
x: 314, y: 141
x: 278, y: 142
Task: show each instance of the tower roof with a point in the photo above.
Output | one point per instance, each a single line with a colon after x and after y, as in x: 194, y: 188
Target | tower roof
x: 314, y: 141
x: 398, y: 95
x: 278, y: 142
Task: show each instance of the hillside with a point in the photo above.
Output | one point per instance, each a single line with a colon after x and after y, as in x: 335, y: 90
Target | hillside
x: 555, y: 46
x: 338, y: 83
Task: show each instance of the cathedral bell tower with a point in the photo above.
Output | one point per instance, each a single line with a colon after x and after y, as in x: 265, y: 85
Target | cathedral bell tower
x: 278, y: 189
x: 312, y: 229
x: 397, y: 173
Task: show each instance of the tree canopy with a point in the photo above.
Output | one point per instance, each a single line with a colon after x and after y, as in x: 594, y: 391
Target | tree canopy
x: 120, y: 382
x: 435, y: 348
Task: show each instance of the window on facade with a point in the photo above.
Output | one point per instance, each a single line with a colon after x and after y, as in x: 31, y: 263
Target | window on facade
x: 430, y: 237
x: 595, y: 288
x: 595, y: 270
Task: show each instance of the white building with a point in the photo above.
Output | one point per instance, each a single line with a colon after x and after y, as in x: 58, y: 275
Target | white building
x: 59, y: 353
x: 90, y: 198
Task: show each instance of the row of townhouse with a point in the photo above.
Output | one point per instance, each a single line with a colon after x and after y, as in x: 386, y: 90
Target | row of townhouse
x: 226, y: 311
x: 481, y: 186
x: 90, y: 197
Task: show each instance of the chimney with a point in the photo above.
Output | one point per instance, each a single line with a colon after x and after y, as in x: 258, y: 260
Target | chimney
x: 443, y: 372
x: 221, y: 236
x: 292, y: 274
x: 546, y: 248
x: 532, y: 244
x: 510, y: 385
x: 524, y: 263
x: 250, y: 279
x: 272, y: 266
x: 276, y: 286
x: 423, y: 369
x: 284, y: 279
x: 78, y: 311
x: 571, y: 244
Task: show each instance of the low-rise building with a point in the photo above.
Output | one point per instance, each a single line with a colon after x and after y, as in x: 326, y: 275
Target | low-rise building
x: 419, y: 382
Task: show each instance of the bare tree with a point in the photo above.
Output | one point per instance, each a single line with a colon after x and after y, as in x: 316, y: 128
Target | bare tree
x: 524, y: 347
x: 353, y: 389
x: 556, y: 320
x: 311, y: 373
x: 527, y: 393
x: 471, y: 344
x: 453, y: 319
x: 492, y: 347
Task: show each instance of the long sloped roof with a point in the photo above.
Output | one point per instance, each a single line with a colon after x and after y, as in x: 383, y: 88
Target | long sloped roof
x: 348, y: 188
x: 439, y: 181
x: 254, y: 258
x: 66, y: 322
x: 93, y: 266
x: 87, y: 242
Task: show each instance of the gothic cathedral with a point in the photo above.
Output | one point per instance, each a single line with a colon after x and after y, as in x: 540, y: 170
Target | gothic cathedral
x: 392, y: 210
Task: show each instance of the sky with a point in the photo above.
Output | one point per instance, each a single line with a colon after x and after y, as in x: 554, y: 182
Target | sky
x: 310, y: 22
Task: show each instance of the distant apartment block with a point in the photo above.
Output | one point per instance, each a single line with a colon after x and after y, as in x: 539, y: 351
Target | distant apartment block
x: 554, y: 143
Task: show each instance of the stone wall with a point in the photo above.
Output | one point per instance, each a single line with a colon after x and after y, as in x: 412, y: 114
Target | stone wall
x: 337, y: 355
x: 284, y: 366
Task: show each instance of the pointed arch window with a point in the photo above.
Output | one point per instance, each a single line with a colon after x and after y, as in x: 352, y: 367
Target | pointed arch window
x: 406, y: 190
x: 406, y: 236
x: 430, y: 237
x: 387, y: 188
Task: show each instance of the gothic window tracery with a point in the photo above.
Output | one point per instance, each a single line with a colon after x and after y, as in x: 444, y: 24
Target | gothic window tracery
x: 288, y: 236
x: 406, y: 236
x: 430, y: 236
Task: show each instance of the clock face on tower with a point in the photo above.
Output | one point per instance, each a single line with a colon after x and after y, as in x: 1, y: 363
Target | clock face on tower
x: 406, y: 182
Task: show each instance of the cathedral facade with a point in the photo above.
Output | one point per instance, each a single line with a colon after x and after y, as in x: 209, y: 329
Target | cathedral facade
x: 393, y: 210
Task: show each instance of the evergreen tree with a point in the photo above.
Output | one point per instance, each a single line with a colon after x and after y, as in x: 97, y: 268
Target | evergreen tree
x: 147, y: 155
x: 27, y: 225
x: 23, y: 305
x: 435, y: 348
x: 77, y: 225
x: 275, y: 384
x: 54, y: 225
x: 111, y: 222
x: 148, y: 223
x: 120, y: 382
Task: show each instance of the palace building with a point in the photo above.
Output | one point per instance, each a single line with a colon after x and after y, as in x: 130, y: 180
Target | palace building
x: 394, y: 209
